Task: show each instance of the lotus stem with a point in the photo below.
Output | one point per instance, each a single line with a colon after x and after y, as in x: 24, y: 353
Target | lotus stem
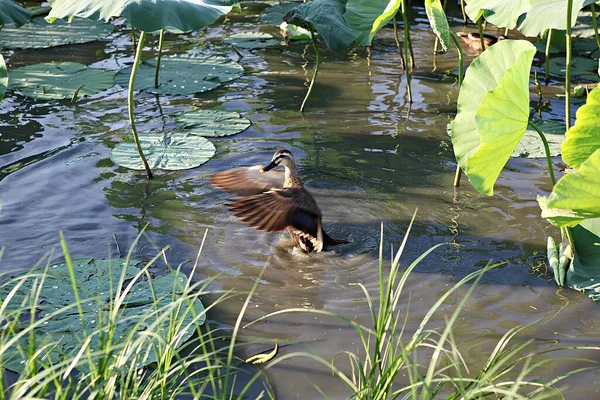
x: 480, y: 29
x: 133, y: 39
x: 547, y: 55
x: 406, y: 52
x: 464, y: 14
x: 397, y: 38
x: 160, y: 47
x: 130, y: 105
x: 547, y: 150
x: 461, y: 62
x: 595, y: 23
x: 568, y: 62
x: 316, y: 70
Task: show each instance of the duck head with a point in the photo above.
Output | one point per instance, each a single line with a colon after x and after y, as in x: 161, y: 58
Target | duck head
x: 281, y: 157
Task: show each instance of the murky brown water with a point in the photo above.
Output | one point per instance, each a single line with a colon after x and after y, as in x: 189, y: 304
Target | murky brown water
x: 363, y: 152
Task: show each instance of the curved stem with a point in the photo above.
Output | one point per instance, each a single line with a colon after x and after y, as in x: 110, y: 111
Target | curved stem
x: 316, y: 71
x: 160, y: 47
x: 547, y: 55
x: 464, y: 14
x: 568, y: 69
x: 406, y: 53
x: 130, y: 105
x: 547, y: 150
x: 461, y: 62
x: 595, y: 23
x: 402, y: 60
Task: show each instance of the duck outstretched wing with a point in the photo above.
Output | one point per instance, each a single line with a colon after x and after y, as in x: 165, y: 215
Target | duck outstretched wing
x: 246, y: 181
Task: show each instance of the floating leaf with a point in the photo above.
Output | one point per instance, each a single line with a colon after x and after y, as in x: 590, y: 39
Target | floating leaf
x: 96, y: 281
x: 13, y: 13
x: 531, y: 145
x: 502, y: 13
x: 493, y: 111
x: 583, y: 138
x: 183, y: 74
x: 60, y: 80
x: 251, y: 40
x: 3, y: 77
x: 438, y: 22
x: 583, y: 68
x: 274, y: 14
x: 169, y: 151
x: 327, y: 16
x: 548, y: 14
x: 40, y: 34
x: 146, y: 15
x: 584, y: 272
x: 211, y: 122
x: 576, y: 196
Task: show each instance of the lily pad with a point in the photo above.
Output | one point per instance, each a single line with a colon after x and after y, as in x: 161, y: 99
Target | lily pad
x: 583, y: 68
x: 13, y: 13
x: 3, y: 77
x: 168, y: 151
x: 60, y: 80
x: 531, y: 146
x: 251, y: 40
x: 211, y: 122
x: 183, y: 74
x: 96, y: 282
x: 274, y: 14
x: 40, y: 34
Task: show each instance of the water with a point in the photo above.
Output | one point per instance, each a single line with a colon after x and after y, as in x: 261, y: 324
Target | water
x: 367, y: 156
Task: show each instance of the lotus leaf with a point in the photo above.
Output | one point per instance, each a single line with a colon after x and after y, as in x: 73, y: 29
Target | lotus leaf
x: 210, y: 122
x: 96, y: 283
x: 183, y: 74
x: 13, y: 13
x: 502, y: 13
x: 548, y: 14
x: 146, y: 15
x: 583, y: 138
x: 60, y: 80
x: 583, y: 68
x: 438, y: 22
x: 40, y: 34
x: 531, y: 145
x: 360, y: 16
x: 294, y: 32
x: 169, y: 151
x: 327, y: 16
x: 251, y: 40
x: 3, y: 77
x: 584, y: 272
x: 274, y: 14
x: 386, y: 16
x: 493, y: 111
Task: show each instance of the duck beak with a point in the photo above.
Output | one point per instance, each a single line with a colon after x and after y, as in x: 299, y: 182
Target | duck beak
x: 268, y: 167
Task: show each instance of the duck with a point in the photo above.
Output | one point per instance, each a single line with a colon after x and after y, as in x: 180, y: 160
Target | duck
x: 274, y: 200
x: 473, y: 39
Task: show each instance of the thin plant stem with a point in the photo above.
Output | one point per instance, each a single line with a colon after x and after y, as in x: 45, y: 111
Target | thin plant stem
x: 397, y: 38
x: 547, y: 150
x: 595, y: 23
x: 316, y: 70
x: 407, y: 41
x: 547, y: 55
x: 568, y: 69
x: 133, y: 39
x: 406, y: 53
x: 159, y: 55
x: 130, y: 105
x: 480, y: 29
x: 462, y: 9
x: 461, y: 61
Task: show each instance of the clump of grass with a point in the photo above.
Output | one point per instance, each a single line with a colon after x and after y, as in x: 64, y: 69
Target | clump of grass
x: 429, y: 359
x: 105, y: 366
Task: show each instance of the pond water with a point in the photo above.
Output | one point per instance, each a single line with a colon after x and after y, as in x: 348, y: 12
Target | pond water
x: 367, y: 156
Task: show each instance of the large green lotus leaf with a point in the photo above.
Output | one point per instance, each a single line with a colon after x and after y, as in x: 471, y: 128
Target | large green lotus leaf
x: 502, y: 13
x: 251, y: 40
x: 582, y: 68
x: 40, y: 34
x: 576, y: 196
x: 493, y: 111
x: 3, y: 77
x: 146, y: 15
x: 60, y: 80
x: 211, y: 122
x: 548, y: 14
x: 169, y: 151
x: 584, y: 271
x: 438, y: 22
x: 583, y: 138
x: 360, y: 16
x: 183, y: 74
x: 96, y: 282
x: 390, y: 11
x: 13, y: 13
x: 327, y: 16
x: 531, y: 145
x: 274, y: 14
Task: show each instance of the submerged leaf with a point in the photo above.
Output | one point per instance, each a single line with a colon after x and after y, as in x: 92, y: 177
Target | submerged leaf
x: 583, y: 138
x: 40, y: 34
x: 211, y: 122
x: 13, y: 13
x: 183, y: 74
x: 60, y: 80
x: 168, y: 151
x: 493, y: 111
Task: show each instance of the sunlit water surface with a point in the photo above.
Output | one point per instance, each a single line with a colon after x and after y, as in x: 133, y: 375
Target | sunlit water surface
x: 367, y: 156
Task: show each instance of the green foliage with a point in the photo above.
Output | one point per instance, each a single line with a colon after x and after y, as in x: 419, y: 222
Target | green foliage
x: 360, y: 16
x: 13, y: 13
x: 60, y: 80
x: 168, y: 151
x: 548, y: 14
x: 502, y: 13
x: 531, y: 146
x: 583, y: 138
x: 146, y: 15
x: 584, y: 270
x: 40, y: 34
x: 438, y: 22
x: 3, y: 77
x: 386, y: 16
x: 183, y: 74
x: 251, y: 40
x: 212, y: 122
x: 493, y: 111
